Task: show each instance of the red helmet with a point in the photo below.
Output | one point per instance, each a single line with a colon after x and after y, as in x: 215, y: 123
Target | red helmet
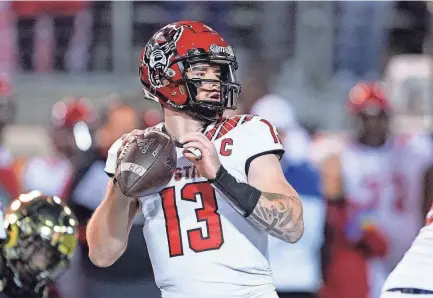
x: 172, y: 51
x: 71, y: 124
x: 368, y: 98
x: 65, y: 114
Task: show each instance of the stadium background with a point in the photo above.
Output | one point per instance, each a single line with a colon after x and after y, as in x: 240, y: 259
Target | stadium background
x: 311, y: 53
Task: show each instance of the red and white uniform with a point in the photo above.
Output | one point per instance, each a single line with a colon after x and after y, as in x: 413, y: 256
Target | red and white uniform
x: 198, y: 244
x: 51, y: 176
x: 387, y: 181
x: 414, y: 270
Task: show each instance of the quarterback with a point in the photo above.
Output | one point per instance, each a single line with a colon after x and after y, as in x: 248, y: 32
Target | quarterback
x: 206, y: 231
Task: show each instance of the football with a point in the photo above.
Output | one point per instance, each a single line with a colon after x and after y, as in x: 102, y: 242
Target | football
x: 147, y: 164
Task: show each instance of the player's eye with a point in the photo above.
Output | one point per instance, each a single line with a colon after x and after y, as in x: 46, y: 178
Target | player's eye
x: 199, y: 74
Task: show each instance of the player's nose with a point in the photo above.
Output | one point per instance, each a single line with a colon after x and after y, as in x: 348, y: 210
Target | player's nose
x: 211, y: 86
x: 215, y: 87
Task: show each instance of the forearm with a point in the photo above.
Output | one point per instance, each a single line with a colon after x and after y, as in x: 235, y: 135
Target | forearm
x: 109, y: 226
x: 279, y: 215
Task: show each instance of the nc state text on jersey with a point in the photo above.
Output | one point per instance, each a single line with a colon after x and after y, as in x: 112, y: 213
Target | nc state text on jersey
x: 186, y: 172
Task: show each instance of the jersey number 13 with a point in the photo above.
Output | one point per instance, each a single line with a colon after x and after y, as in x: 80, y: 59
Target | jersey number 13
x: 208, y: 214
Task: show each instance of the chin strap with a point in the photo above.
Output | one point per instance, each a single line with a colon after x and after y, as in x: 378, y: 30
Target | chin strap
x: 200, y: 112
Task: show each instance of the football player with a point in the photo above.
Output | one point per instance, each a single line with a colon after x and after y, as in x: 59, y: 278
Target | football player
x: 206, y: 231
x: 39, y: 236
x: 374, y: 191
x: 70, y: 133
x: 411, y: 277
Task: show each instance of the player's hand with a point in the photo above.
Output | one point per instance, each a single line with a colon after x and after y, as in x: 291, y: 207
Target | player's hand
x: 208, y: 163
x: 129, y: 137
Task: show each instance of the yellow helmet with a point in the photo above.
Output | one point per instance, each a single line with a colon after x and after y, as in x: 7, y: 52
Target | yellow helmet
x: 41, y: 238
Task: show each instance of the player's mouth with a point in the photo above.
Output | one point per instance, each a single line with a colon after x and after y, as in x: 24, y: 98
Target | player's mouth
x: 214, y: 96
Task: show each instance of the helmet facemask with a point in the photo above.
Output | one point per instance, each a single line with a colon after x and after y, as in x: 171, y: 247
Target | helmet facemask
x: 223, y: 88
x: 37, y: 262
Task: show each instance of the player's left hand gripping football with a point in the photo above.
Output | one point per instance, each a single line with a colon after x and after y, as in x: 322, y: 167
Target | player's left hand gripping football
x: 206, y: 159
x: 130, y: 137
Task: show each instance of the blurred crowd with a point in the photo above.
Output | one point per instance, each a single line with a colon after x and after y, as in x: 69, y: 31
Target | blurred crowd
x: 365, y: 193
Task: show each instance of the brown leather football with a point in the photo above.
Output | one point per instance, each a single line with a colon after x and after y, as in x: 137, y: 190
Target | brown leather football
x: 147, y: 164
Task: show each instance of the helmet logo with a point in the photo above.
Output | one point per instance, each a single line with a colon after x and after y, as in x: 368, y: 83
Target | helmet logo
x: 222, y: 51
x: 158, y: 52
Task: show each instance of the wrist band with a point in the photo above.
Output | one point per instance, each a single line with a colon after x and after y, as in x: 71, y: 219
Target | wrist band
x: 242, y: 196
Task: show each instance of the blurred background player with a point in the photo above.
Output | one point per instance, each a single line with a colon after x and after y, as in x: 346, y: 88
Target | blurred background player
x: 70, y: 133
x: 40, y: 238
x: 374, y: 190
x: 410, y: 278
x: 92, y: 135
x: 304, y: 279
x: 71, y: 129
x: 115, y: 117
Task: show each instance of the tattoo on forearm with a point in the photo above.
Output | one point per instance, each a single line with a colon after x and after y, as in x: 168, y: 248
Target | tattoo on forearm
x: 280, y: 216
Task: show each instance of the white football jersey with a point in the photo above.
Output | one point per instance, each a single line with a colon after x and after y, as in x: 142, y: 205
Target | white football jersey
x: 414, y: 270
x: 387, y: 181
x: 198, y: 244
x: 48, y: 175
